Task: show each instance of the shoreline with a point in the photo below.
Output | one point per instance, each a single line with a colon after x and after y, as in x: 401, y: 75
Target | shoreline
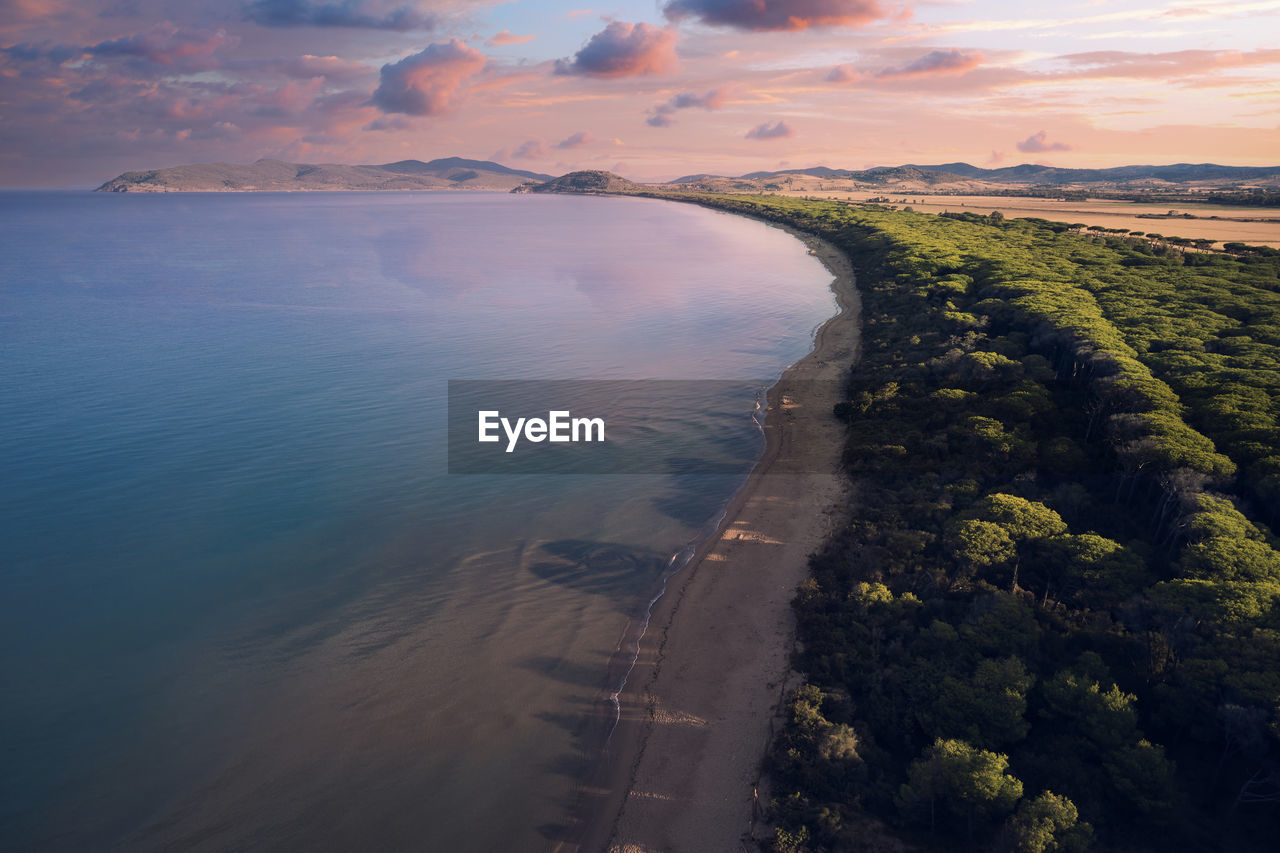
x: 681, y: 769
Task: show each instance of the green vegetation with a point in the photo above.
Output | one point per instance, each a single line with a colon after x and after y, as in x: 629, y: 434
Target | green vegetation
x: 1054, y: 619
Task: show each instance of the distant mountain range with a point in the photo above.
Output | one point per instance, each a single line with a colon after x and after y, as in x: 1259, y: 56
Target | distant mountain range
x: 448, y: 173
x: 1025, y: 174
x: 457, y: 173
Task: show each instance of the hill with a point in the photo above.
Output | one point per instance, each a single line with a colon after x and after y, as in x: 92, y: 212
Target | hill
x: 590, y: 181
x: 449, y: 173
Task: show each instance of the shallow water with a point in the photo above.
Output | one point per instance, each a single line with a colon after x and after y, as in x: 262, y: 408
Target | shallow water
x: 244, y: 602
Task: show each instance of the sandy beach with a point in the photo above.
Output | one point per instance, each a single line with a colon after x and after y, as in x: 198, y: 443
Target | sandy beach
x: 682, y: 769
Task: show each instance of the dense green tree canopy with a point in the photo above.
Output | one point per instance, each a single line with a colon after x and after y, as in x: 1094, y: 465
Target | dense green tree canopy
x: 1049, y: 823
x: 1061, y: 568
x: 969, y: 783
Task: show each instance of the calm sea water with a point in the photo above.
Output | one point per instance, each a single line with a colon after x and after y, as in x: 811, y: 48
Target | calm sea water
x: 242, y: 604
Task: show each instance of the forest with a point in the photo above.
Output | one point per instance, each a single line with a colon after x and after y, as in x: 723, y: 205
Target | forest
x: 1053, y: 622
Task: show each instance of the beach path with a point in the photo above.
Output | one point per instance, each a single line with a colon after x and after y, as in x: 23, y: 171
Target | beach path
x: 702, y: 702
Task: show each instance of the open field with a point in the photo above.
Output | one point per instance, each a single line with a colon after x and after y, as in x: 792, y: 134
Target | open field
x: 1257, y: 226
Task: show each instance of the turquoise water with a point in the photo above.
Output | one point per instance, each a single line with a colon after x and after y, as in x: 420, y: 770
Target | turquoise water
x: 243, y: 602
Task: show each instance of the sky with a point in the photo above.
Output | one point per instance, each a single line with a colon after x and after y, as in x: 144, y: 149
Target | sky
x: 652, y: 90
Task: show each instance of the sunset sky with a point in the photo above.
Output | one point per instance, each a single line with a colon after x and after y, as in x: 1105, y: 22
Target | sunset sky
x: 652, y: 90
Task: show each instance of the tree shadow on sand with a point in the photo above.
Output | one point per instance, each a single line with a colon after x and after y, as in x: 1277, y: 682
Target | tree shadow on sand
x: 588, y: 718
x: 574, y: 673
x: 598, y: 568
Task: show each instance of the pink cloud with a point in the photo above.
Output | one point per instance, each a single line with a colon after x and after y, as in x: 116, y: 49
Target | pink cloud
x: 777, y: 14
x: 660, y: 115
x: 968, y: 70
x: 778, y: 130
x: 167, y: 44
x: 430, y: 82
x: 576, y: 140
x: 54, y: 53
x: 843, y: 74
x: 1038, y: 143
x: 936, y: 62
x: 1179, y: 63
x: 624, y: 50
x: 288, y: 100
x: 712, y: 100
x: 347, y: 14
x: 16, y: 13
x: 331, y: 68
x: 533, y: 149
x: 507, y: 37
x: 389, y: 122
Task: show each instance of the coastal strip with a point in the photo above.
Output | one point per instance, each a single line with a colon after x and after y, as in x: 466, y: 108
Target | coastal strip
x: 682, y: 770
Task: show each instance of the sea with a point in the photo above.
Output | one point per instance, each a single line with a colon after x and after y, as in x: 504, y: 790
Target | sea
x: 245, y: 603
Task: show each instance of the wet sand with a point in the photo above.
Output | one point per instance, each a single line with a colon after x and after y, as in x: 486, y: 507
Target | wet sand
x: 682, y: 767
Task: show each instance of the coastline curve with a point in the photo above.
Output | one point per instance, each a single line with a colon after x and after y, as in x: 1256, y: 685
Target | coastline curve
x: 681, y: 769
